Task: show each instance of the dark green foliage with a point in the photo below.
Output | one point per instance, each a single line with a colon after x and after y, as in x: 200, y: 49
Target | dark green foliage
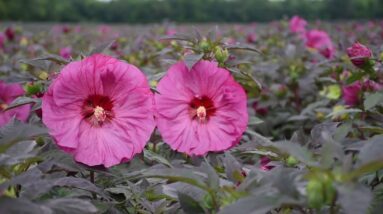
x: 143, y: 11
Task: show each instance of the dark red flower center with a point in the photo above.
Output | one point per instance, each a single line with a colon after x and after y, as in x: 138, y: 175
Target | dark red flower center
x: 97, y: 109
x: 202, y: 108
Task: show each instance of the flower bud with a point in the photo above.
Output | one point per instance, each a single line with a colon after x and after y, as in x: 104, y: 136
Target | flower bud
x: 221, y: 55
x: 315, y: 195
x: 33, y: 88
x: 291, y: 161
x: 204, y: 46
x: 359, y: 54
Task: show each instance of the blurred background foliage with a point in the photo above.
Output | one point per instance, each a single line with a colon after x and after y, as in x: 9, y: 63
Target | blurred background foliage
x: 145, y: 11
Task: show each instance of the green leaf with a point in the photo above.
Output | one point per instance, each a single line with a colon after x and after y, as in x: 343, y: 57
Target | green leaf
x: 16, y: 131
x: 354, y: 199
x: 299, y: 152
x: 21, y: 101
x: 101, y: 48
x: 371, y: 151
x: 156, y: 157
x: 342, y: 112
x: 255, y: 204
x: 373, y: 100
x: 177, y: 174
x: 53, y: 58
x: 372, y: 129
x: 71, y: 205
x: 232, y: 167
x: 22, y: 205
x: 255, y: 121
x: 189, y: 205
x: 192, y: 59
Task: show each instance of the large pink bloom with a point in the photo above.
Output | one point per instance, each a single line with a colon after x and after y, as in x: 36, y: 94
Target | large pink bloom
x: 320, y: 41
x: 200, y: 110
x: 297, y: 25
x: 8, y: 93
x: 100, y: 110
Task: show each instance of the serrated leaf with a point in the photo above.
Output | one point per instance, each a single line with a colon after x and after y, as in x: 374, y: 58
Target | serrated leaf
x: 53, y: 58
x: 354, y: 199
x: 22, y: 205
x: 243, y: 47
x: 372, y: 129
x: 192, y: 59
x: 212, y: 176
x: 101, y: 48
x: 252, y: 205
x: 177, y: 174
x: 16, y: 131
x: 342, y: 112
x: 255, y: 121
x: 372, y: 150
x: 373, y: 100
x: 70, y: 206
x: 156, y: 157
x: 232, y: 166
x: 21, y: 101
x: 299, y: 152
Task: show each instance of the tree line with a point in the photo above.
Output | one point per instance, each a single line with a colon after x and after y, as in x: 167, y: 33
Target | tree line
x: 146, y: 11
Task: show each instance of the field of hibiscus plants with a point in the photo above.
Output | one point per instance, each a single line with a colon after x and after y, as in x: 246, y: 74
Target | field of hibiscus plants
x: 283, y: 117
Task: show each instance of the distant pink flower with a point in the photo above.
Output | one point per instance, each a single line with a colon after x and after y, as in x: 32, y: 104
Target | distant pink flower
x: 66, y: 52
x: 100, y: 110
x: 371, y: 86
x: 352, y: 93
x: 298, y: 25
x: 104, y: 30
x: 229, y: 41
x: 8, y: 93
x: 171, y: 31
x: 320, y: 41
x: 264, y: 162
x: 200, y: 110
x: 2, y: 39
x: 359, y: 54
x: 10, y: 33
x: 66, y: 29
x: 262, y: 111
x: 251, y: 37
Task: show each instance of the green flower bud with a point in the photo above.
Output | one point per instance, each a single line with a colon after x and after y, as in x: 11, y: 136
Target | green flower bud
x: 204, y: 46
x: 315, y: 195
x: 221, y: 55
x: 33, y: 88
x: 291, y: 161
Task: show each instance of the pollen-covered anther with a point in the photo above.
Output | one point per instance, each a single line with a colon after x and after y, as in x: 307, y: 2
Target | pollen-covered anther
x: 3, y: 106
x: 201, y: 113
x: 99, y: 114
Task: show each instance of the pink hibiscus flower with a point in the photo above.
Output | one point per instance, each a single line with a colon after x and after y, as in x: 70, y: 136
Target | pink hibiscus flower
x: 320, y: 41
x: 297, y: 25
x: 100, y: 110
x: 8, y: 93
x: 200, y: 110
